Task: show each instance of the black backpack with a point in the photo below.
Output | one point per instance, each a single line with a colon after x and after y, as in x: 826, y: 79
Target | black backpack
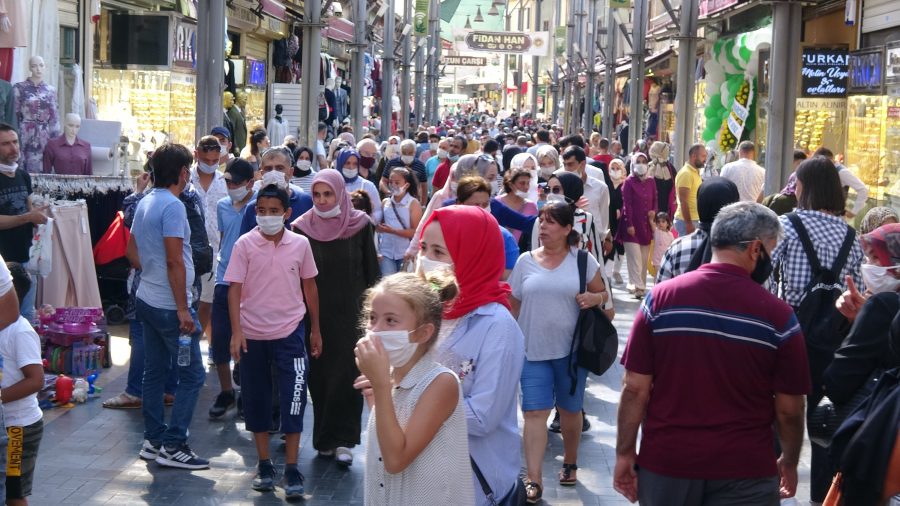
x: 818, y: 316
x: 595, y: 342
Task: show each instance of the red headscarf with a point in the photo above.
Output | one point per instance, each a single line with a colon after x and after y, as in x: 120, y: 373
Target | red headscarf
x: 476, y: 248
x: 883, y: 243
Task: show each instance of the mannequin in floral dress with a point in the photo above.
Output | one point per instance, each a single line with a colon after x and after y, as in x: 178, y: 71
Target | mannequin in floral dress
x: 36, y: 113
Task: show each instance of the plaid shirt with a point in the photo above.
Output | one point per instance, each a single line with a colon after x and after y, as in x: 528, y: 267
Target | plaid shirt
x: 827, y: 233
x: 678, y: 256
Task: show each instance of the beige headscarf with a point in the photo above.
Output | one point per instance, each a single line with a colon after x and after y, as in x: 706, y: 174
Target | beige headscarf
x: 659, y: 159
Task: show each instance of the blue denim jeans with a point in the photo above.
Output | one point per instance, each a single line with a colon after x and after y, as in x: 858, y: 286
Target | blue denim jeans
x: 161, y: 331
x: 27, y: 307
x: 136, y: 364
x: 389, y: 265
x: 681, y: 226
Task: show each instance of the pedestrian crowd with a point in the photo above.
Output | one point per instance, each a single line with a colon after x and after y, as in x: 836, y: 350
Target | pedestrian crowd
x: 418, y: 276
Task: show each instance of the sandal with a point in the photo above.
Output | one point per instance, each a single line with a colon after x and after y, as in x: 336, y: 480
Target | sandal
x: 533, y: 492
x: 567, y: 476
x: 123, y: 401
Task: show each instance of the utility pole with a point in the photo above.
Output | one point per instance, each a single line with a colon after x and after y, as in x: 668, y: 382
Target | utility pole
x: 428, y: 53
x: 612, y: 51
x: 357, y: 66
x: 210, y: 59
x: 572, y: 74
x: 787, y: 21
x: 520, y: 67
x: 554, y: 84
x: 437, y: 64
x: 405, y: 67
x: 504, y: 99
x: 636, y: 115
x: 387, y: 84
x: 684, y: 86
x: 420, y: 64
x: 312, y: 41
x: 591, y: 74
x: 536, y: 64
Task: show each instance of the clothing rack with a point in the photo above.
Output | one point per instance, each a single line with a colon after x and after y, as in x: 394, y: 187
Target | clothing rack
x: 62, y: 185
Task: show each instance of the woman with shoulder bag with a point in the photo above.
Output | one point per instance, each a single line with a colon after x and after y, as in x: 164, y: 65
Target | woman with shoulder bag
x: 401, y: 216
x: 546, y: 281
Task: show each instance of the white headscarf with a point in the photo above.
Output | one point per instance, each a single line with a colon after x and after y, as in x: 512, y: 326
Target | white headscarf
x: 518, y: 162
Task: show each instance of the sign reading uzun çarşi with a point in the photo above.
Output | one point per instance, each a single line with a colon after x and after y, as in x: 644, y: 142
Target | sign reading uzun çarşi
x: 824, y: 72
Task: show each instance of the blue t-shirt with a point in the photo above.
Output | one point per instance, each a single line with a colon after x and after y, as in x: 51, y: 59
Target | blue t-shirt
x: 159, y: 215
x: 300, y: 203
x: 510, y: 248
x: 431, y: 166
x: 229, y: 224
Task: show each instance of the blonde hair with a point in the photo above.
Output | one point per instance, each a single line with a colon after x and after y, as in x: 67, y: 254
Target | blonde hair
x: 426, y: 297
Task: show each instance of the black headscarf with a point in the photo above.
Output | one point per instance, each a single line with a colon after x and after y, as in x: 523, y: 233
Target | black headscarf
x: 713, y: 194
x: 572, y: 185
x: 508, y: 153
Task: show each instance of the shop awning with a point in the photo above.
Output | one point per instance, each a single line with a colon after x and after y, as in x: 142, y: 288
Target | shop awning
x: 623, y: 65
x: 273, y: 9
x: 338, y: 29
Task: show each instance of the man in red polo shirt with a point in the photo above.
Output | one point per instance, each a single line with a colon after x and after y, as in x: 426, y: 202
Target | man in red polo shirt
x: 458, y: 145
x: 713, y: 362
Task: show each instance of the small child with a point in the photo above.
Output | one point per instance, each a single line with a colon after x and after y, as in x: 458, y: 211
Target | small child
x: 270, y: 272
x: 23, y: 378
x: 418, y: 451
x: 662, y: 237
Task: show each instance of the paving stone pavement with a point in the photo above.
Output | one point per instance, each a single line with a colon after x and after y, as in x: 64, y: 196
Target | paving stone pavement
x: 88, y: 455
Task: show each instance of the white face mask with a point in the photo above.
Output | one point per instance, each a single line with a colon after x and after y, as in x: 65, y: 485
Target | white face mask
x: 304, y: 164
x: 879, y: 279
x: 270, y: 225
x: 521, y: 194
x: 639, y: 169
x: 407, y: 159
x: 10, y: 169
x: 223, y: 150
x: 433, y: 146
x: 556, y: 197
x: 396, y: 344
x: 495, y: 187
x: 428, y: 265
x: 238, y: 194
x: 398, y: 190
x: 453, y: 186
x: 335, y: 211
x: 442, y: 154
x: 546, y: 172
x: 350, y: 173
x: 615, y: 174
x: 207, y: 168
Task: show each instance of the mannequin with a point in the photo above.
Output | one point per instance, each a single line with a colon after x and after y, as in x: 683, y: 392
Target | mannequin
x: 278, y: 127
x: 341, y: 99
x: 238, y: 122
x: 229, y: 69
x: 36, y: 113
x: 68, y: 154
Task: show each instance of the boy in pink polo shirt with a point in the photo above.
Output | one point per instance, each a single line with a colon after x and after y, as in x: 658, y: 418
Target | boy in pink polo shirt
x: 271, y: 271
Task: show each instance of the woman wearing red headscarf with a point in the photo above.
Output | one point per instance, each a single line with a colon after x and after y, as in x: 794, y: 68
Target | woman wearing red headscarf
x: 479, y: 340
x: 343, y: 246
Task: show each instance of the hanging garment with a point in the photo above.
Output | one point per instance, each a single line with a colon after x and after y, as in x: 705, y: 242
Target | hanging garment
x: 16, y: 11
x: 73, y: 278
x: 342, y: 102
x: 7, y: 104
x: 77, y: 103
x: 36, y: 113
x: 277, y: 129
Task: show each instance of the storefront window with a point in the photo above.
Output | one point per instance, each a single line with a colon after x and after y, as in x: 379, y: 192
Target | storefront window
x: 865, y: 142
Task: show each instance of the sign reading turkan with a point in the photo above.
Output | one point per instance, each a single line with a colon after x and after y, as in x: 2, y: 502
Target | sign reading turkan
x: 464, y: 61
x: 824, y: 72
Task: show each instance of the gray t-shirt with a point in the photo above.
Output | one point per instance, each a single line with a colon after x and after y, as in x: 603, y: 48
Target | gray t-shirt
x: 549, y: 310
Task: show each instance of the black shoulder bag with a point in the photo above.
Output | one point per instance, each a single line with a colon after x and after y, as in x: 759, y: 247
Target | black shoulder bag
x: 595, y: 342
x: 517, y: 497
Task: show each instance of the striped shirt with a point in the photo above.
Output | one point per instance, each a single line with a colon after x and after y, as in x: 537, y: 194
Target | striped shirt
x: 719, y: 346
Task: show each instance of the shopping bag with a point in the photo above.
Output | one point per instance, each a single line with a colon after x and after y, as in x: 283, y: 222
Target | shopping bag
x: 41, y: 253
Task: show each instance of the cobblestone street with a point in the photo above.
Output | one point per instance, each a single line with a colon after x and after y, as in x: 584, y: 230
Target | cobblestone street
x: 89, y: 454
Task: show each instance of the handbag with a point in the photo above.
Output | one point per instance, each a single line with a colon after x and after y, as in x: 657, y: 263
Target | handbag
x: 827, y: 416
x: 517, y: 497
x: 595, y: 343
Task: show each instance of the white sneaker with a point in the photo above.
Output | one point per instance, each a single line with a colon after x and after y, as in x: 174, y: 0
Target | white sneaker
x: 148, y: 451
x: 343, y: 456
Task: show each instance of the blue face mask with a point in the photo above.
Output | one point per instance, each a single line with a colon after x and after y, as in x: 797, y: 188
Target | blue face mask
x: 453, y: 158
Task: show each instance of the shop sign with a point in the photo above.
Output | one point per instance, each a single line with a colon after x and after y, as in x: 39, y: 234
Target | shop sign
x: 866, y: 71
x: 256, y: 73
x: 525, y: 43
x: 893, y: 112
x: 824, y: 72
x: 185, y: 44
x: 241, y: 17
x: 619, y: 4
x: 464, y: 61
x: 708, y: 7
x: 892, y: 63
x: 420, y: 18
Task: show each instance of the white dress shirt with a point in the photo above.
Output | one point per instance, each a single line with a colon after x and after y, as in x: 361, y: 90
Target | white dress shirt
x: 747, y: 176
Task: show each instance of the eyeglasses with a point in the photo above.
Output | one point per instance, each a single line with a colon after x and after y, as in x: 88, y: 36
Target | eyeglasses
x: 555, y: 189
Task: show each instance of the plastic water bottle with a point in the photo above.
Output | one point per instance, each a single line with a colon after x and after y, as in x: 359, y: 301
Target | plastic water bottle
x: 184, y: 350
